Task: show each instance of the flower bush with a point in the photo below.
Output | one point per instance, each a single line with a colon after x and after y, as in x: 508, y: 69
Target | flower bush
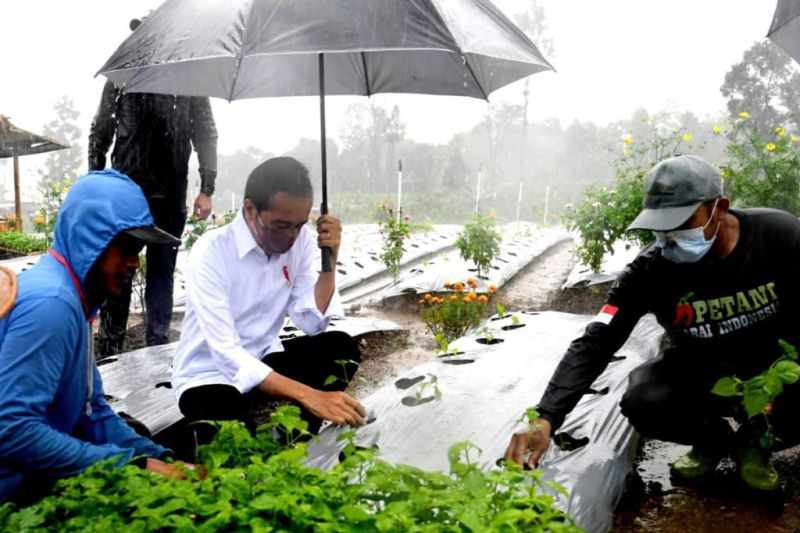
x: 479, y: 242
x: 395, y: 228
x: 53, y: 196
x: 198, y: 227
x: 762, y: 170
x: 450, y: 316
x: 605, y: 213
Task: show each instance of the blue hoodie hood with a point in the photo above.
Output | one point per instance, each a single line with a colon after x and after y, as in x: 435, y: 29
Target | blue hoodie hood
x: 99, y: 205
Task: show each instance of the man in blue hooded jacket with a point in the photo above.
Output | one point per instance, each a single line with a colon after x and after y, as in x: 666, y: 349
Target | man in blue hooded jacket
x: 54, y: 421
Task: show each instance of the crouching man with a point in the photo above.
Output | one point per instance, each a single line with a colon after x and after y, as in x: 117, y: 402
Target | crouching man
x: 242, y: 281
x: 54, y: 421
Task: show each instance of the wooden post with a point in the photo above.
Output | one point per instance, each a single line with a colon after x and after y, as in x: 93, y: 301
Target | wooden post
x: 17, y: 201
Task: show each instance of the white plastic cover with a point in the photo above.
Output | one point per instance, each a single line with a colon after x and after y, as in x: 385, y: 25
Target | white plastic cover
x: 520, y: 246
x: 486, y: 389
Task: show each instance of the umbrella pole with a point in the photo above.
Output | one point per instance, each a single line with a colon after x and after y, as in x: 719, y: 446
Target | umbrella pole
x: 323, y: 209
x: 17, y: 202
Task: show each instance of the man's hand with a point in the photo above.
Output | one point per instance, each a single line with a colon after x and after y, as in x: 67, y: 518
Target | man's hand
x: 202, y: 206
x: 329, y: 234
x: 338, y: 407
x: 536, y: 439
x: 169, y: 471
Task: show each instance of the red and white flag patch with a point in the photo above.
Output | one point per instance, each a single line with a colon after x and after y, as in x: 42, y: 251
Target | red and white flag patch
x: 606, y: 313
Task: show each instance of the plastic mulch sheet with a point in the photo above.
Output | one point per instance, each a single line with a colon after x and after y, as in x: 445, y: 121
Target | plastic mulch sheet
x: 610, y: 268
x: 484, y: 392
x: 138, y: 382
x: 518, y: 249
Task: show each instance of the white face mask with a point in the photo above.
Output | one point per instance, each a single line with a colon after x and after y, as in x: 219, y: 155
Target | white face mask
x: 688, y: 245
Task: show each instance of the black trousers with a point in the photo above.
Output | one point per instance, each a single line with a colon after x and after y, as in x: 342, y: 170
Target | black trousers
x: 309, y: 360
x: 170, y: 215
x: 665, y: 401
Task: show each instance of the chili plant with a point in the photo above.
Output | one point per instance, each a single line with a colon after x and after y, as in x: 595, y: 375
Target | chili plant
x: 252, y: 483
x: 479, y: 243
x: 760, y: 391
x: 395, y: 228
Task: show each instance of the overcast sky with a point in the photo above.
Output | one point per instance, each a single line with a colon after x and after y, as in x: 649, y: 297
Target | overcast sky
x: 611, y: 56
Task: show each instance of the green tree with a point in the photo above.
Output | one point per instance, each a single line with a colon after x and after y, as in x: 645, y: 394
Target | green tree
x: 63, y: 165
x: 765, y: 84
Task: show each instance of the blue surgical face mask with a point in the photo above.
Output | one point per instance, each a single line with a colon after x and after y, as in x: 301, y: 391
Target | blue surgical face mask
x: 688, y: 245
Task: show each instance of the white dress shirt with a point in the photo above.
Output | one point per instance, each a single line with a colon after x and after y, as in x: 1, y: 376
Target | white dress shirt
x: 236, y: 300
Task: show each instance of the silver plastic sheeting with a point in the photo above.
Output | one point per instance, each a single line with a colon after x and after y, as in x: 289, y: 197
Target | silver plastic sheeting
x: 520, y: 246
x: 138, y: 382
x: 484, y: 392
x: 611, y: 267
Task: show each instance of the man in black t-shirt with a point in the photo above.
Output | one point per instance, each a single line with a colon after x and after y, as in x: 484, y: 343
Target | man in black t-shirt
x: 723, y: 283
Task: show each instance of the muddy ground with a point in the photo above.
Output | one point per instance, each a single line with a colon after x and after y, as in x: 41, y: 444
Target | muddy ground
x: 651, y: 502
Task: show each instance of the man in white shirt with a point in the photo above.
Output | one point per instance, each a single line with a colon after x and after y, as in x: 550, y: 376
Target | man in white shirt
x: 242, y: 280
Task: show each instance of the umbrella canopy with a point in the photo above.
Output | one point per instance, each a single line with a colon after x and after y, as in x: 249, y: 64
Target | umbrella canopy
x: 15, y: 142
x: 237, y: 49
x: 785, y: 28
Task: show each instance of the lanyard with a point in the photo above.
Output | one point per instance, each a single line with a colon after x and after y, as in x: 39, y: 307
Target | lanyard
x: 90, y: 341
x: 75, y: 281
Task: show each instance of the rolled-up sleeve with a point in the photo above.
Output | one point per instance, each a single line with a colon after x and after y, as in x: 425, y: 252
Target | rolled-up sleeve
x: 302, y: 302
x: 207, y: 290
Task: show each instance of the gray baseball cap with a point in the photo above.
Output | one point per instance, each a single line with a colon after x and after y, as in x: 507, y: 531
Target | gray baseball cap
x: 674, y: 189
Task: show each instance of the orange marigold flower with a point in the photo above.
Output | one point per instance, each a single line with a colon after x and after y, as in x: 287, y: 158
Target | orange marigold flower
x: 483, y: 299
x: 492, y: 288
x: 447, y: 285
x: 459, y: 286
x: 473, y: 295
x: 421, y: 302
x: 428, y: 297
x: 471, y: 282
x: 453, y: 298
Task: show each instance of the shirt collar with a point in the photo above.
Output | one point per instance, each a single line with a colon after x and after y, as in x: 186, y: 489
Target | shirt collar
x: 245, y: 243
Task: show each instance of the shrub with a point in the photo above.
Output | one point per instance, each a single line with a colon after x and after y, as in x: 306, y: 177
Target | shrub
x: 395, y: 228
x: 450, y: 316
x: 479, y: 242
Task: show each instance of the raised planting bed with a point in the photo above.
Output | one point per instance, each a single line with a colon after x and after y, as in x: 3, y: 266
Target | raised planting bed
x: 480, y: 395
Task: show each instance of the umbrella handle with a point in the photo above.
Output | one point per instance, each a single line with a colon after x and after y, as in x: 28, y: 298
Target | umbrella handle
x: 326, y: 260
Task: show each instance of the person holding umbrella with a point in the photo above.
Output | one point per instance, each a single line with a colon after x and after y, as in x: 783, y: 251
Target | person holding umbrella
x: 54, y: 420
x: 153, y: 135
x: 241, y: 281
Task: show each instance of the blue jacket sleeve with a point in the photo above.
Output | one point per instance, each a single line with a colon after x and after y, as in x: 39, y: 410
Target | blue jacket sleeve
x: 104, y: 426
x: 41, y: 337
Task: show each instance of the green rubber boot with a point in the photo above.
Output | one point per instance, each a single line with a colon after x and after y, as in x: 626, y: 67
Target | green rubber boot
x: 696, y: 464
x: 755, y: 470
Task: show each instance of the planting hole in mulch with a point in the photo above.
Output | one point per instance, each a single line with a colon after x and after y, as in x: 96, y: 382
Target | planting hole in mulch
x: 405, y: 383
x: 458, y: 361
x: 450, y: 354
x: 601, y: 392
x: 287, y: 337
x: 165, y: 384
x: 290, y: 328
x: 413, y: 401
x: 484, y: 340
x: 616, y: 358
x: 512, y: 326
x: 106, y: 361
x: 568, y: 443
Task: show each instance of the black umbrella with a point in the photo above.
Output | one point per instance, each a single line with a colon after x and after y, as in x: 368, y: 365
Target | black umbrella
x: 15, y: 142
x: 237, y: 49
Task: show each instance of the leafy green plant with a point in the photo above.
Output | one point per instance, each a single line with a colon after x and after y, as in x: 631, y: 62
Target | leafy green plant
x: 139, y: 284
x: 395, y: 228
x: 199, y: 227
x: 604, y: 214
x: 432, y: 381
x: 479, y: 242
x: 450, y: 317
x: 23, y: 243
x: 347, y: 379
x: 762, y: 170
x: 53, y: 194
x: 252, y: 483
x: 760, y: 391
